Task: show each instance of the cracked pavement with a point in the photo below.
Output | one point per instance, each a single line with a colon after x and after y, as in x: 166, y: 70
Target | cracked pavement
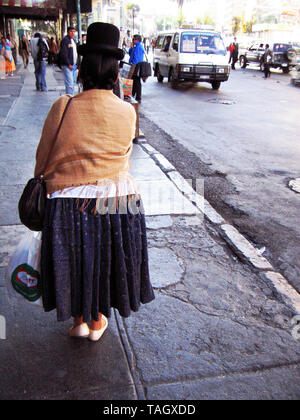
x: 218, y: 320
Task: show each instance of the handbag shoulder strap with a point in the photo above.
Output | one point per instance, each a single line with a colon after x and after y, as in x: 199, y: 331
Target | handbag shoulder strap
x: 56, y: 136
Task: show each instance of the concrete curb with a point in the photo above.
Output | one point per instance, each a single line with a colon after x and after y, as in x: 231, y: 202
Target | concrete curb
x: 9, y: 112
x: 244, y: 249
x: 236, y: 241
x: 140, y: 393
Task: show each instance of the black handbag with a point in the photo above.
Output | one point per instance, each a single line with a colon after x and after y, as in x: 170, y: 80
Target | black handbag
x: 143, y: 69
x: 32, y: 203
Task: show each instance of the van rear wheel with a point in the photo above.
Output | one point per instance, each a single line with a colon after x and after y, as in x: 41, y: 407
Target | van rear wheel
x: 215, y: 85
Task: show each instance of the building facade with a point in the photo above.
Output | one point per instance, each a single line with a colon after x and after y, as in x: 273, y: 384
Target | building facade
x: 277, y: 20
x: 274, y: 18
x: 109, y: 11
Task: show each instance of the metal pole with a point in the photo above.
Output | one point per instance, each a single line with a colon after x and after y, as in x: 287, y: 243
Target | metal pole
x: 133, y: 10
x: 78, y: 21
x: 4, y: 25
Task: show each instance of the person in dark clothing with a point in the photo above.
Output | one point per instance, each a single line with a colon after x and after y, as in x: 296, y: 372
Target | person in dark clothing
x: 267, y: 61
x: 39, y: 51
x: 167, y: 46
x: 234, y: 54
x: 52, y: 51
x: 68, y: 52
x: 24, y: 51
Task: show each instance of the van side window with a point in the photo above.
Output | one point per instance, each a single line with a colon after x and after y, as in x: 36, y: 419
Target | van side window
x: 176, y: 42
x: 166, y: 43
x: 159, y: 42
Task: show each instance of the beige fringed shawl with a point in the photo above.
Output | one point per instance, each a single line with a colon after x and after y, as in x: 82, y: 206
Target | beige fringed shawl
x: 94, y: 143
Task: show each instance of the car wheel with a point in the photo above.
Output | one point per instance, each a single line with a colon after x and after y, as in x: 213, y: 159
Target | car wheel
x: 285, y: 70
x: 160, y: 78
x: 243, y: 62
x: 172, y: 79
x: 215, y: 85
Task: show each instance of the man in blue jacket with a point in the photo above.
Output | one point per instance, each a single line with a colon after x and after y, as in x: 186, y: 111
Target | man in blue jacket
x: 68, y: 54
x: 136, y: 53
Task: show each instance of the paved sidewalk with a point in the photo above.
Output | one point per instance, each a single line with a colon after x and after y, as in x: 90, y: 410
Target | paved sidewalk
x: 215, y: 331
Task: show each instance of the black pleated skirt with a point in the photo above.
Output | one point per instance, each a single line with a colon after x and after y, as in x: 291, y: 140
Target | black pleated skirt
x: 91, y: 262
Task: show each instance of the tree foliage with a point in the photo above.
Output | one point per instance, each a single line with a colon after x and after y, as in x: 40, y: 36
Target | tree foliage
x: 247, y: 27
x: 206, y: 20
x: 180, y: 4
x: 44, y: 27
x: 132, y: 6
x: 236, y: 24
x: 180, y: 19
x: 165, y: 24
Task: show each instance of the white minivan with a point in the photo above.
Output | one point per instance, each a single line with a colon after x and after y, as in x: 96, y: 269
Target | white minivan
x: 191, y: 55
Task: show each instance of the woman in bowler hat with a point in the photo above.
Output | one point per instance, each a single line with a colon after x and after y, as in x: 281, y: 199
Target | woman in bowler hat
x: 94, y: 246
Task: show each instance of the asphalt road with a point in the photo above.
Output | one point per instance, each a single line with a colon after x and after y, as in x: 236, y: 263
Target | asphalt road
x: 245, y: 141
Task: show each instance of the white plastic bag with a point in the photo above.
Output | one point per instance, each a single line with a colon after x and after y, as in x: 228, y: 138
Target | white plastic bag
x: 23, y: 272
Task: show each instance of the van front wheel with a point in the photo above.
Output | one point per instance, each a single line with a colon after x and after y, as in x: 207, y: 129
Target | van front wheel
x: 160, y: 78
x: 215, y: 85
x: 173, y: 80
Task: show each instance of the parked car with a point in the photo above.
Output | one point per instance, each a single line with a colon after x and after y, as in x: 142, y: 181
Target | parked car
x: 283, y: 55
x: 191, y: 55
x: 295, y: 73
x: 251, y: 55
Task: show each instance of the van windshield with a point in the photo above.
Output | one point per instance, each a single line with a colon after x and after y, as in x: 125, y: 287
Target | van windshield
x: 202, y: 43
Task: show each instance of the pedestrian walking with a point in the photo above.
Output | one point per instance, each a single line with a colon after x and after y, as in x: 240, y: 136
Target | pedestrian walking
x: 230, y: 49
x: 24, y: 50
x: 124, y: 48
x: 136, y: 54
x: 153, y: 44
x: 7, y: 64
x: 13, y: 47
x: 52, y: 51
x: 234, y: 54
x: 147, y: 45
x: 128, y: 40
x: 39, y: 51
x: 94, y: 248
x: 267, y: 59
x: 68, y: 53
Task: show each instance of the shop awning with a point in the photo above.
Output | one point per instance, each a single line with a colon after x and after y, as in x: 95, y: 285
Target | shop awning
x: 52, y: 4
x: 32, y: 9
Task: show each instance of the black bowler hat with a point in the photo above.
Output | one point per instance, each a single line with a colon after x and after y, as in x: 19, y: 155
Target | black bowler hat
x: 102, y: 38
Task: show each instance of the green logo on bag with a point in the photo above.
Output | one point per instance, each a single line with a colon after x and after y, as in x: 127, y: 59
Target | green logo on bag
x: 26, y: 281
